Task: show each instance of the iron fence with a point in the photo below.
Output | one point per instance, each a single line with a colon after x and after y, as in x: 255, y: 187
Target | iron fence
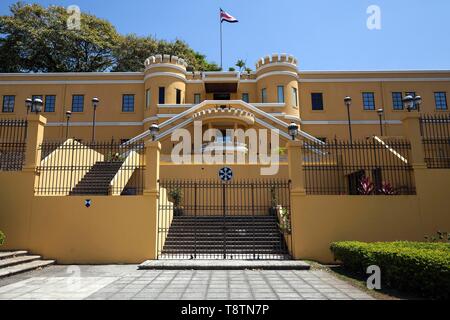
x: 13, y: 134
x: 369, y: 167
x: 73, y: 168
x: 214, y: 220
x: 435, y: 131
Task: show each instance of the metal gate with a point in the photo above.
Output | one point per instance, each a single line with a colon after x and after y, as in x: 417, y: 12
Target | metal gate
x: 215, y: 220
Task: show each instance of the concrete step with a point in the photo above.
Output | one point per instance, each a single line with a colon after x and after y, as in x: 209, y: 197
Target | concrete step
x: 223, y: 265
x: 24, y: 267
x: 11, y: 254
x: 17, y: 260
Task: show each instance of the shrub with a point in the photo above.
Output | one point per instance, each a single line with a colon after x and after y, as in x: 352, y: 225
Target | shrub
x: 422, y: 268
x: 2, y: 238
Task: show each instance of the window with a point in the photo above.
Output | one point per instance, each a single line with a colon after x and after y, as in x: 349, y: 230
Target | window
x: 162, y: 95
x: 178, y: 95
x: 77, y: 103
x: 245, y: 97
x: 8, y: 104
x: 50, y: 103
x: 295, y: 97
x: 441, y: 100
x: 264, y: 95
x: 128, y: 103
x: 317, y: 101
x: 197, y: 98
x: 397, y: 100
x: 280, y: 92
x: 147, y: 98
x: 369, y: 100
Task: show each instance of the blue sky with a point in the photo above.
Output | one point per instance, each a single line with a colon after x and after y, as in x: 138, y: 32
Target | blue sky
x: 322, y: 34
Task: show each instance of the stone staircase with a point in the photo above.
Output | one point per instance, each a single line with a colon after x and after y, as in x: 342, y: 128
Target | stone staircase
x: 233, y: 237
x: 15, y: 262
x: 98, y: 179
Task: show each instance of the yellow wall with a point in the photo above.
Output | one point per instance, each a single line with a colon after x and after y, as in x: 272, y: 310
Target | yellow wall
x: 326, y: 219
x: 113, y: 230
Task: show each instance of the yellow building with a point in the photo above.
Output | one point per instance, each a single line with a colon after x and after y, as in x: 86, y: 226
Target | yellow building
x: 277, y: 91
x: 70, y: 200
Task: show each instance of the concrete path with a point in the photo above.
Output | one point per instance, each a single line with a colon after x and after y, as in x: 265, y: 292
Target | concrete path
x: 127, y: 282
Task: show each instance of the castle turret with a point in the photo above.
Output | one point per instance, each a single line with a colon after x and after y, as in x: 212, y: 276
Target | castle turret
x: 277, y: 77
x: 165, y: 82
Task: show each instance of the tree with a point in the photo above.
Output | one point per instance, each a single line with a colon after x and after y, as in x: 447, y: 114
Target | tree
x: 132, y: 51
x: 240, y: 64
x: 36, y: 39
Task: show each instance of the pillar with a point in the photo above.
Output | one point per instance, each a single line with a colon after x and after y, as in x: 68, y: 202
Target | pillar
x: 35, y: 136
x: 151, y: 189
x: 411, y: 130
x: 298, y: 193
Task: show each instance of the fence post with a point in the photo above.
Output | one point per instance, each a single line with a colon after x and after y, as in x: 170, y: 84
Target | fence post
x: 298, y: 192
x: 35, y: 136
x: 412, y: 131
x: 151, y: 190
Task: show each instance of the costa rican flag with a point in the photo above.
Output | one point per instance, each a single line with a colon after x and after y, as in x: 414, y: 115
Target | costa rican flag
x: 225, y: 16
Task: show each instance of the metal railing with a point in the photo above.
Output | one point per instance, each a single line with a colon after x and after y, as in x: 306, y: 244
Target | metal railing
x: 71, y: 168
x: 13, y: 135
x: 369, y: 167
x: 435, y: 131
x: 231, y: 221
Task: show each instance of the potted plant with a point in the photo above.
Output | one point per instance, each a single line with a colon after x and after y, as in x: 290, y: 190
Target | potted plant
x: 176, y: 196
x: 273, y: 210
x: 2, y: 238
x: 285, y: 221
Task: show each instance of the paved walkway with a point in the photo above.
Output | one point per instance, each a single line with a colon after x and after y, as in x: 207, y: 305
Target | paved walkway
x: 126, y: 282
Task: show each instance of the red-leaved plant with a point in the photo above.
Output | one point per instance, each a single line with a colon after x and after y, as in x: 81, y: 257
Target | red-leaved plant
x: 387, y: 189
x: 366, y: 187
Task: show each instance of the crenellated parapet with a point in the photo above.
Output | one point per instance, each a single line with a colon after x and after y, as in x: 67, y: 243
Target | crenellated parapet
x: 165, y: 59
x: 277, y: 60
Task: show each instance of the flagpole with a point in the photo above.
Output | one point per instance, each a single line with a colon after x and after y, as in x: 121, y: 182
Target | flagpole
x: 221, y: 41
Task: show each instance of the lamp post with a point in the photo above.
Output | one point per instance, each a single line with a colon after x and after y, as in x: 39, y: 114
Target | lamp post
x: 409, y: 102
x: 348, y: 103
x: 293, y: 130
x: 380, y: 115
x: 418, y: 102
x: 28, y: 105
x: 68, y: 116
x: 37, y: 106
x: 154, y: 130
x: 95, y: 103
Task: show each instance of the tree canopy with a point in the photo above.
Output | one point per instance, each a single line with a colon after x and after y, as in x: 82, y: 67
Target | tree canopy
x: 37, y: 39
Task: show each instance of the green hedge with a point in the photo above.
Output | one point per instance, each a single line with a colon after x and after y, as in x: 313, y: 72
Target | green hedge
x: 422, y: 268
x: 2, y: 238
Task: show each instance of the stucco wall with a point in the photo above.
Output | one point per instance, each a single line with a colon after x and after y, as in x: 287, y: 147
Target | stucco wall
x: 326, y: 219
x: 112, y: 230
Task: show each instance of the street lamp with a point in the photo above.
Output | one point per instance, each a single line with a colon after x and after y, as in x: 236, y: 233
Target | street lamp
x: 348, y: 103
x: 380, y: 115
x: 95, y: 103
x: 418, y: 102
x: 293, y: 130
x: 28, y: 104
x: 68, y: 116
x: 408, y: 102
x: 154, y: 130
x: 37, y: 105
